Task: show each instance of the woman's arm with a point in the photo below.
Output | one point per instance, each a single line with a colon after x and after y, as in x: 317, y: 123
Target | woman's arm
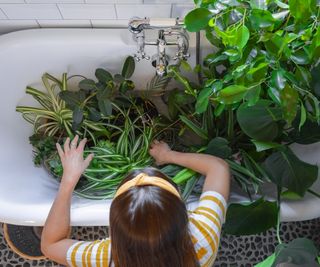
x: 215, y: 169
x: 54, y: 241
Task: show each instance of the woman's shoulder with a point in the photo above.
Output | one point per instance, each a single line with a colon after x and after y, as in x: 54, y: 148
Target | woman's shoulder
x: 89, y: 253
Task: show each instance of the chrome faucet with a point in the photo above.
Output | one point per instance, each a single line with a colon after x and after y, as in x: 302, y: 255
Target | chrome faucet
x: 167, y: 27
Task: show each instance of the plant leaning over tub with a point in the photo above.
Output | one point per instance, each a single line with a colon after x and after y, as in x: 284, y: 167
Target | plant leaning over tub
x: 260, y: 93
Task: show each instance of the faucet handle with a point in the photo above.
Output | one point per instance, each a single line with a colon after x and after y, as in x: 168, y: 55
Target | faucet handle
x: 141, y: 55
x: 182, y: 56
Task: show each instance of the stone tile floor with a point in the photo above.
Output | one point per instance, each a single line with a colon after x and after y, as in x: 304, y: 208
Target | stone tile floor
x: 244, y: 251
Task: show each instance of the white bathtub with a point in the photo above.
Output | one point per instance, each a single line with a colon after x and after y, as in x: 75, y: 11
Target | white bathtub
x: 27, y: 192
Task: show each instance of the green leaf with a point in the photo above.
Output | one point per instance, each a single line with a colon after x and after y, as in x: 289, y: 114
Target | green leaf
x: 103, y: 76
x: 105, y: 106
x: 214, y: 58
x: 118, y: 78
x: 290, y: 195
x: 261, y: 19
x: 289, y: 101
x: 303, y: 76
x: 299, y: 252
x: 126, y: 86
x: 77, y: 115
x: 315, y: 82
x: 259, y: 4
x: 303, y: 115
x: 287, y: 170
x: 231, y: 94
x: 197, y: 19
x: 199, y: 131
x: 253, y: 218
x: 278, y: 79
x: 73, y: 99
x: 203, y: 99
x: 260, y: 121
x: 252, y: 95
x: 87, y: 84
x: 301, y: 10
x: 185, y: 65
x: 267, y: 262
x: 308, y: 134
x: 128, y: 67
x: 300, y: 57
x: 94, y: 114
x: 262, y: 146
x: 219, y: 147
x: 243, y: 36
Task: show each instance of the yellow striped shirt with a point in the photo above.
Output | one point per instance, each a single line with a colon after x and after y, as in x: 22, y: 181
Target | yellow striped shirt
x: 204, y: 224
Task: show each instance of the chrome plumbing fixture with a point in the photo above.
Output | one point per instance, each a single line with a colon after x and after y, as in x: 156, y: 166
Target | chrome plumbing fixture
x: 167, y: 29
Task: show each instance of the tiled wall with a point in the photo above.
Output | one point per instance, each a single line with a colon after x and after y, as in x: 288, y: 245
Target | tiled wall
x: 25, y: 14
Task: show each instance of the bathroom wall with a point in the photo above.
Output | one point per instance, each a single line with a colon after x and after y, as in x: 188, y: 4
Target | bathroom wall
x: 26, y: 14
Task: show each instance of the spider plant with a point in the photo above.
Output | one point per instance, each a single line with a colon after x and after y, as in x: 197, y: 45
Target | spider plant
x: 52, y: 117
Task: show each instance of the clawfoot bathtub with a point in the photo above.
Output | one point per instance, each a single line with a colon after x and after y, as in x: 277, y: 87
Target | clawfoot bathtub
x: 26, y: 191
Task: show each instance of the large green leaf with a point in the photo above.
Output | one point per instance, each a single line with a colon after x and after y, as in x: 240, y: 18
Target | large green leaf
x: 308, y: 134
x: 259, y: 4
x: 87, y: 84
x: 261, y: 19
x: 195, y: 128
x: 261, y: 146
x: 197, y: 19
x: 252, y: 218
x: 231, y: 94
x: 301, y: 10
x: 73, y: 99
x: 315, y: 82
x: 219, y: 147
x: 300, y: 251
x: 128, y: 67
x: 105, y: 106
x: 260, y: 121
x: 278, y: 79
x: 287, y: 170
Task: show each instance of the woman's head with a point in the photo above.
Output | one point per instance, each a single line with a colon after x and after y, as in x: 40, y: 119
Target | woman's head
x: 149, y: 226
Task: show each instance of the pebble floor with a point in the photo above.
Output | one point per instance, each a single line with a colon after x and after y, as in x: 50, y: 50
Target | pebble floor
x: 244, y: 251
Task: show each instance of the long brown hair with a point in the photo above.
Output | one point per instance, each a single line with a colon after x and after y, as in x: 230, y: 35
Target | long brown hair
x: 149, y: 227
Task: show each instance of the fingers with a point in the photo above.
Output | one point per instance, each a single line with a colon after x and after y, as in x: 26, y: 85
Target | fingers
x: 88, y: 160
x: 74, y: 142
x: 82, y: 144
x: 66, y: 146
x: 60, y: 151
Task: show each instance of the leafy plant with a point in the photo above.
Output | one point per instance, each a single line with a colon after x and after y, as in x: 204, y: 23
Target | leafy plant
x: 260, y: 93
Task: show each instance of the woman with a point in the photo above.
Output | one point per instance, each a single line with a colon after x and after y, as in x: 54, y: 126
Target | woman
x: 149, y: 223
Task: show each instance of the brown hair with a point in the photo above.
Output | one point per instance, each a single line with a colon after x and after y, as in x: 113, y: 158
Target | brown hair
x: 149, y: 227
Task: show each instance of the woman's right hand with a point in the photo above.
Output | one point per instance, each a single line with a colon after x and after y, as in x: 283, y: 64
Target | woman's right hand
x: 160, y: 151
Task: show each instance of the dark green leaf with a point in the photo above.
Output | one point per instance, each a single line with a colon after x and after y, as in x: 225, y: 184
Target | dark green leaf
x: 128, y: 67
x: 253, y: 218
x: 261, y: 146
x: 73, y: 99
x: 214, y: 58
x: 219, y: 109
x: 103, y: 76
x: 289, y: 101
x: 219, y: 147
x: 308, y: 134
x: 315, y: 82
x: 299, y: 252
x: 197, y: 19
x: 195, y: 128
x: 94, y: 114
x: 203, y: 100
x: 286, y: 170
x: 303, y: 76
x: 118, y: 78
x: 105, y: 106
x: 125, y: 86
x: 303, y: 115
x: 231, y: 94
x: 77, y: 117
x: 261, y: 19
x: 87, y: 84
x: 259, y: 121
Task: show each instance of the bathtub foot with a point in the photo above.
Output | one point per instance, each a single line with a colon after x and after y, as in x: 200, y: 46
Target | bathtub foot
x: 24, y: 240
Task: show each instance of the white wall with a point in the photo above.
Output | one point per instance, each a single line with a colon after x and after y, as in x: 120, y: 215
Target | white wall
x: 26, y: 14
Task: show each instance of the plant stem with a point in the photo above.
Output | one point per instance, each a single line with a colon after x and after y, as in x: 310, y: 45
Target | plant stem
x: 230, y: 124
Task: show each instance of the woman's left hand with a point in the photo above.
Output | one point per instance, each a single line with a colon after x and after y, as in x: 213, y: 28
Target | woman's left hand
x: 72, y: 160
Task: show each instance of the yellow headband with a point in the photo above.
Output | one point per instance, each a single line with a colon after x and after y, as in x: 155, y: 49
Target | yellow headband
x: 144, y: 179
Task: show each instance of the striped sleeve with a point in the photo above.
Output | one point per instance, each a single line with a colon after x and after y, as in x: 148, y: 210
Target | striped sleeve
x: 205, y: 226
x: 89, y: 254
